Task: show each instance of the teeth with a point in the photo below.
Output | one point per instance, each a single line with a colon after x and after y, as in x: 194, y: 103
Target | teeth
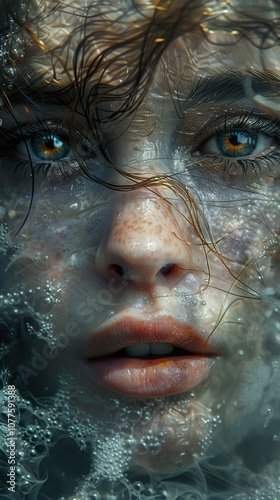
x: 141, y: 349
x: 144, y: 349
x: 159, y: 348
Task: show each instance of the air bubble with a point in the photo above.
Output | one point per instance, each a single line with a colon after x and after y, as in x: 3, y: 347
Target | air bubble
x: 10, y: 72
x: 135, y: 416
x: 112, y: 404
x: 95, y: 495
x: 138, y: 487
x: 141, y: 448
x: 18, y: 469
x: 267, y: 411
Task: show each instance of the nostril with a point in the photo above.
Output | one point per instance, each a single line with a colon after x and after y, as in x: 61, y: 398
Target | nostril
x: 165, y: 270
x: 115, y: 269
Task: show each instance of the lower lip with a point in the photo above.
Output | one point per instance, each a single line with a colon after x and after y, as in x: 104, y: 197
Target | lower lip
x: 149, y: 378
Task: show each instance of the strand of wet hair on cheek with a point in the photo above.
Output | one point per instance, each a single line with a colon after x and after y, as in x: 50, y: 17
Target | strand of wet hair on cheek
x: 9, y: 109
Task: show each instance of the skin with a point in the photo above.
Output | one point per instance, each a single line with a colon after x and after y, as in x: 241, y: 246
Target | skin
x: 219, y: 229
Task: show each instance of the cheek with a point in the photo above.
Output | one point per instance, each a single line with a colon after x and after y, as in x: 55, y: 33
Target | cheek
x: 61, y: 220
x: 167, y: 442
x: 245, y: 233
x: 246, y: 238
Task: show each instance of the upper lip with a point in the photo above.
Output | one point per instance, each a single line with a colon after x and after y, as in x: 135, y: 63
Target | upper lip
x: 117, y: 334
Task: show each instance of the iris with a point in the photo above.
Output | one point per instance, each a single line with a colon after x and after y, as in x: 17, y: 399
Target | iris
x: 50, y: 146
x: 237, y: 142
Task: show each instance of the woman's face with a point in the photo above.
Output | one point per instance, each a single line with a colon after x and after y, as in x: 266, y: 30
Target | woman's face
x: 153, y: 296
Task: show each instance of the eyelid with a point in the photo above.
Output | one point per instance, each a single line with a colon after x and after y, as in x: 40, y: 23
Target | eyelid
x: 82, y: 149
x: 26, y: 131
x: 263, y: 145
x: 247, y: 122
x: 13, y: 136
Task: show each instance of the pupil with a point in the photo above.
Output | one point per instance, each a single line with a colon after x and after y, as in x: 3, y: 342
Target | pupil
x: 50, y: 144
x: 236, y: 138
x: 53, y: 143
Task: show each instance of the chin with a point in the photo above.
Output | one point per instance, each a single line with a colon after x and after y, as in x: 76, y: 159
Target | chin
x: 177, y: 435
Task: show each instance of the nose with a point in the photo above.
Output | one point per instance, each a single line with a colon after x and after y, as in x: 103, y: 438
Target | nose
x: 145, y: 241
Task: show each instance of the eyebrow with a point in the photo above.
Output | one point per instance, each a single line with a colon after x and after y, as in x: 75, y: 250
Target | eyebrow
x: 225, y: 87
x: 233, y: 86
x: 47, y: 94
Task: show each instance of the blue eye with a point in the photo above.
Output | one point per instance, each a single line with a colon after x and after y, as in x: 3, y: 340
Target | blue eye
x: 45, y: 149
x: 48, y: 147
x: 237, y: 144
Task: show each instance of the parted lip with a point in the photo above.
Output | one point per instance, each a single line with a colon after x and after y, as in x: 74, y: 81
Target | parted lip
x: 117, y: 334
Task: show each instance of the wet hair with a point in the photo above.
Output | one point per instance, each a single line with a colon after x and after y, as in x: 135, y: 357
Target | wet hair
x: 142, y: 45
x: 128, y: 46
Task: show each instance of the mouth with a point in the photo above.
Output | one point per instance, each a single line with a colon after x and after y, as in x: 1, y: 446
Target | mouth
x: 145, y: 359
x: 150, y: 350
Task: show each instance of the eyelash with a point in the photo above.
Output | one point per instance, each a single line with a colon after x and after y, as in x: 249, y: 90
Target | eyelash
x: 245, y: 123
x: 11, y: 139
x: 64, y: 168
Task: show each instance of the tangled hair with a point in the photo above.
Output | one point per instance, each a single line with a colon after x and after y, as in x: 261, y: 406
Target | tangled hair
x: 107, y: 74
x: 119, y: 45
x: 127, y: 53
x: 102, y: 69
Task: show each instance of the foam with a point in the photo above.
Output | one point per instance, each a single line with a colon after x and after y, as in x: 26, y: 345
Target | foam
x: 54, y: 427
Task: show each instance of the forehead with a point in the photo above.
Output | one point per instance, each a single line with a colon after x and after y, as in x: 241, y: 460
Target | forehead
x: 196, y: 71
x: 119, y: 42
